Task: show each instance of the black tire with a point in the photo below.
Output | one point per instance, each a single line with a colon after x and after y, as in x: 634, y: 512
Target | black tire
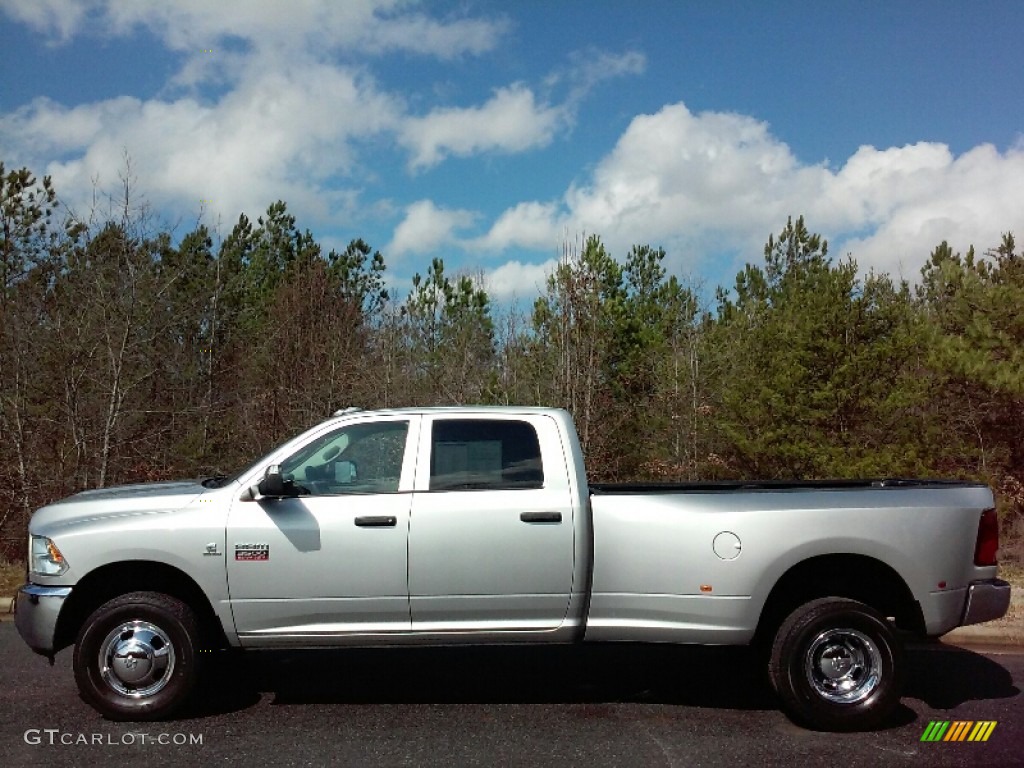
x: 145, y: 671
x: 837, y: 665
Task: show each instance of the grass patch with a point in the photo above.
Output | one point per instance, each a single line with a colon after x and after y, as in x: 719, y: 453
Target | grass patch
x: 12, y: 576
x: 1012, y: 573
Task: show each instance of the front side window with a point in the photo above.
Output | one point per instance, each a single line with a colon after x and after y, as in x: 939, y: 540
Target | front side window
x: 484, y: 454
x: 360, y: 458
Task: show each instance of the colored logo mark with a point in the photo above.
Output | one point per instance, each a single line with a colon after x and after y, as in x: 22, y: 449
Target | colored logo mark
x: 958, y: 730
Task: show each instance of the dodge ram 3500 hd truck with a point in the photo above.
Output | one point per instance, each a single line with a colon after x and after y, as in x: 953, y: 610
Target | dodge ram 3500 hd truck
x: 476, y: 525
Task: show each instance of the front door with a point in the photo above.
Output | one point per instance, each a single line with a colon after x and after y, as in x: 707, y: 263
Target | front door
x: 333, y: 560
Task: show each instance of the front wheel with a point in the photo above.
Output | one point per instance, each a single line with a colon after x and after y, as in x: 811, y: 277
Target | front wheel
x: 135, y: 657
x: 837, y: 665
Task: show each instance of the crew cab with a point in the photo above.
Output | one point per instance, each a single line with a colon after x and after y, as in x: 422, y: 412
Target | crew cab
x: 477, y: 525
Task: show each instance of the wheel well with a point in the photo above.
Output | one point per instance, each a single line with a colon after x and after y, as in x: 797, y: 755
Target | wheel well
x: 856, y: 577
x: 109, y: 581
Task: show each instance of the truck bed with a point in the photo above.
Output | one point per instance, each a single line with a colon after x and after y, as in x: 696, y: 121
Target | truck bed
x: 694, y: 562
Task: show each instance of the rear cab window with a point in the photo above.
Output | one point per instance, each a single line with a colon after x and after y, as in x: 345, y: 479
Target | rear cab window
x: 484, y: 454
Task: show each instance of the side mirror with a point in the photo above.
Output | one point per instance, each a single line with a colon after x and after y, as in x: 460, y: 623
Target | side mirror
x: 273, y: 483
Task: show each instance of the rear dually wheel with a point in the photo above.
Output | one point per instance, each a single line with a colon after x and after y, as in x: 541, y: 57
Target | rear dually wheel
x: 837, y: 665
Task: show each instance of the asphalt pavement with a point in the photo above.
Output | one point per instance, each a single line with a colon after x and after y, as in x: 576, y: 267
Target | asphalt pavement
x: 574, y: 706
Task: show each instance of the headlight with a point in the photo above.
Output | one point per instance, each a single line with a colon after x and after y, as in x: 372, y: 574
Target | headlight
x: 44, y: 557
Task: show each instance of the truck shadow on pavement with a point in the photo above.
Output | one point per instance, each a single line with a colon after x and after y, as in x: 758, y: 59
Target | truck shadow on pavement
x: 944, y: 677
x: 707, y: 677
x: 699, y: 676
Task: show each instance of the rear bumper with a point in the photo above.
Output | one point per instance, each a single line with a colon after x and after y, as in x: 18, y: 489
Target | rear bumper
x: 35, y: 615
x: 986, y: 600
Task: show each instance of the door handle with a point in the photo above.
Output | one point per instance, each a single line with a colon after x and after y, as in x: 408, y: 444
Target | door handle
x: 541, y: 517
x: 377, y: 521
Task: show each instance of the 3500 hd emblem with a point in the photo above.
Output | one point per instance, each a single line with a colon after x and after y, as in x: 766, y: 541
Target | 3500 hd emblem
x: 252, y: 551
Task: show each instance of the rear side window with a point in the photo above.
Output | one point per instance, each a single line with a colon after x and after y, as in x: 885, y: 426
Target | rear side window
x: 482, y: 454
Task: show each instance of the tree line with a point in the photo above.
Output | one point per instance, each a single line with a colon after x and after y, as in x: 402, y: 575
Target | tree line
x: 128, y: 355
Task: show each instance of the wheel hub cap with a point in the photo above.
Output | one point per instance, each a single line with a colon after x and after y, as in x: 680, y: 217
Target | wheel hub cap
x: 136, y: 659
x: 843, y: 666
x: 836, y: 662
x: 132, y: 661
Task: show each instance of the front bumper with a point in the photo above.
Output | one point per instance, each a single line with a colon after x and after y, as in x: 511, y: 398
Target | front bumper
x: 35, y: 615
x: 986, y: 600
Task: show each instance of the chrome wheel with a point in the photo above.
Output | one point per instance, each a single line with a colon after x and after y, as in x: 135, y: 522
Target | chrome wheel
x: 843, y: 666
x: 136, y: 659
x: 837, y: 665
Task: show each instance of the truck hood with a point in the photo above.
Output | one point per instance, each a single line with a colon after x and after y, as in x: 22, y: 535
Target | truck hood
x: 104, y: 503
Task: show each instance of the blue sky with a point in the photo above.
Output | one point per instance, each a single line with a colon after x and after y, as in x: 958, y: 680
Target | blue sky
x: 488, y: 133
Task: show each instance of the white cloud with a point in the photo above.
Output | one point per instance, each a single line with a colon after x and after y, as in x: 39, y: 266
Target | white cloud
x: 293, y: 118
x: 675, y: 171
x: 719, y: 182
x: 286, y: 126
x: 514, y: 279
x: 967, y: 200
x: 60, y: 19
x: 591, y: 67
x: 427, y: 227
x: 527, y: 225
x: 419, y: 34
x: 290, y: 118
x: 277, y: 135
x: 510, y: 121
x: 373, y: 26
x: 514, y: 119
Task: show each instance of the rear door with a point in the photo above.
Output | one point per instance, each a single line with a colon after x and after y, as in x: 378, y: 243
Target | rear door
x: 491, y: 536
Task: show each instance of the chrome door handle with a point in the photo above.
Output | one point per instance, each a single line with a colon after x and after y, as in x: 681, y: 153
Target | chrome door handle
x: 541, y: 517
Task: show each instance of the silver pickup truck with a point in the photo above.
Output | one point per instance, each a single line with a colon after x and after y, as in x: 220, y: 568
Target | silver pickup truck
x: 476, y: 525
